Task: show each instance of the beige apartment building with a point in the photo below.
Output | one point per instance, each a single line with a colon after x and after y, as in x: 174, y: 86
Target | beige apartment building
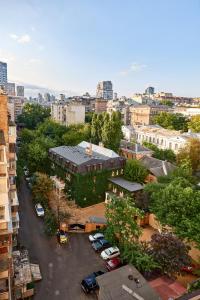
x: 9, y: 218
x: 68, y: 113
x: 143, y: 114
x: 100, y: 106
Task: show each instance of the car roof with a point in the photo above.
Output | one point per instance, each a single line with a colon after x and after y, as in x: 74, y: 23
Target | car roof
x: 38, y: 205
x: 113, y: 248
x: 98, y: 234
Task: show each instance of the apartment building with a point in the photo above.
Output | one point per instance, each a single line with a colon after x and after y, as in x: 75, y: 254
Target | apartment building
x: 100, y: 106
x: 144, y: 114
x: 162, y: 138
x: 9, y: 218
x: 68, y: 113
x: 15, y: 106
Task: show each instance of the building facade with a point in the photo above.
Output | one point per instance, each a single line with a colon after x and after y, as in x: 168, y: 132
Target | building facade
x: 3, y: 74
x: 150, y: 90
x: 85, y: 168
x: 68, y: 113
x: 9, y: 218
x: 162, y: 138
x: 105, y: 90
x: 10, y: 89
x: 15, y: 106
x: 144, y: 114
x: 100, y: 106
x: 20, y: 91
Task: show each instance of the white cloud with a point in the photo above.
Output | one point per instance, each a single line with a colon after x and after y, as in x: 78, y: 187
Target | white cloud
x: 34, y: 60
x: 6, y: 56
x: 22, y: 39
x: 134, y: 67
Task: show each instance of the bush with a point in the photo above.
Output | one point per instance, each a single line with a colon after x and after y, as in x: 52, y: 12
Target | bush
x: 50, y: 223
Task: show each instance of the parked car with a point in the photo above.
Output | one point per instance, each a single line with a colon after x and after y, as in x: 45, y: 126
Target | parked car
x: 96, y: 236
x: 191, y: 269
x: 110, y: 253
x: 39, y: 210
x: 100, y: 244
x: 89, y: 284
x: 113, y: 264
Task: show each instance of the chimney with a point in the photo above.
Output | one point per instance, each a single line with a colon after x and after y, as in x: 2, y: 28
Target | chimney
x: 88, y: 150
x: 164, y: 167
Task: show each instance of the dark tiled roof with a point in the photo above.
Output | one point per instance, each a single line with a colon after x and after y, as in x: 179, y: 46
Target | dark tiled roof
x: 127, y: 185
x: 156, y: 166
x: 134, y: 147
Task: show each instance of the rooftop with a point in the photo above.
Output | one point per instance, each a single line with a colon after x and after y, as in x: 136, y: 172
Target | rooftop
x: 135, y: 148
x: 127, y: 185
x: 84, y: 152
x: 125, y: 283
x: 156, y: 166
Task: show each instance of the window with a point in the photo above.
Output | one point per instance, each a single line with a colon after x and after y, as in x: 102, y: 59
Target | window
x: 2, y: 212
x: 1, y: 155
x: 12, y: 148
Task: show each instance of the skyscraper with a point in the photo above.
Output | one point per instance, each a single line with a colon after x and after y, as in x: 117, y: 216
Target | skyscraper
x: 20, y: 90
x: 3, y: 74
x: 105, y: 90
x: 10, y: 89
x: 150, y: 90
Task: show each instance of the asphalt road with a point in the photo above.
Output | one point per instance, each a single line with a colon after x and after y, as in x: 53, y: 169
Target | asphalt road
x: 62, y: 267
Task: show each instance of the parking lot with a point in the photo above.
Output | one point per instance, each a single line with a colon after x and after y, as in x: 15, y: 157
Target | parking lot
x: 62, y: 267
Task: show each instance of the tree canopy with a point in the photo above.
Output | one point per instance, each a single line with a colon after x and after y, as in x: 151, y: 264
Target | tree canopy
x: 32, y: 115
x: 194, y: 123
x: 162, y: 154
x: 135, y: 171
x: 171, y: 121
x: 190, y: 153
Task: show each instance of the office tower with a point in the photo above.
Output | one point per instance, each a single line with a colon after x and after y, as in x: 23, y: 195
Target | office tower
x: 3, y: 74
x: 10, y: 89
x: 20, y: 90
x: 150, y: 90
x: 105, y: 90
x: 47, y: 97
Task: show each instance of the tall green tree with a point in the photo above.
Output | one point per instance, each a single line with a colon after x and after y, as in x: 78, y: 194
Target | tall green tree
x: 135, y: 171
x: 190, y: 153
x: 194, y: 123
x: 32, y: 115
x: 111, y: 131
x: 171, y: 121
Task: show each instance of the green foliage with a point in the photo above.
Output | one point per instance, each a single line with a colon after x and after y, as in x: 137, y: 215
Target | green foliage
x: 121, y: 215
x: 194, y: 123
x: 41, y: 188
x: 90, y: 188
x: 32, y: 115
x: 169, y: 252
x: 177, y: 204
x: 167, y: 102
x: 171, y: 121
x: 50, y: 223
x: 76, y: 134
x: 106, y: 128
x: 191, y: 154
x: 194, y: 286
x: 88, y: 117
x: 166, y: 154
x: 135, y: 171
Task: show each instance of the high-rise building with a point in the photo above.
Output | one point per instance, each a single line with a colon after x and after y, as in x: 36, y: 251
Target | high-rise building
x: 105, y: 90
x: 47, y: 97
x: 20, y: 90
x: 10, y: 89
x: 3, y: 74
x: 9, y: 218
x: 150, y: 90
x: 62, y: 97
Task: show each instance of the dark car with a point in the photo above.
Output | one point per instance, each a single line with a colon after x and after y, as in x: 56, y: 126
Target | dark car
x: 100, y: 245
x: 89, y: 284
x: 113, y: 264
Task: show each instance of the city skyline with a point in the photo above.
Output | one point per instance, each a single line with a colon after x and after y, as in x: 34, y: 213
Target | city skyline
x: 89, y: 42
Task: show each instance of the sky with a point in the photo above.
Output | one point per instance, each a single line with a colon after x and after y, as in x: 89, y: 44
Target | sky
x: 70, y: 45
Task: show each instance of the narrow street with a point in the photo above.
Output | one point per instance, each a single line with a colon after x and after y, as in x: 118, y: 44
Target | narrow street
x: 62, y: 267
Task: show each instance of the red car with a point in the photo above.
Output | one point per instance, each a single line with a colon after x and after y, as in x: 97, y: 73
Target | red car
x: 191, y: 269
x: 113, y: 264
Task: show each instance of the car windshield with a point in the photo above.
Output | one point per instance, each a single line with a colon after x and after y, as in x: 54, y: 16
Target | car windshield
x: 40, y: 209
x: 108, y: 252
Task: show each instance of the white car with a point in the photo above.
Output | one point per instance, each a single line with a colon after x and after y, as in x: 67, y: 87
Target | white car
x: 110, y: 253
x: 39, y: 210
x: 96, y: 236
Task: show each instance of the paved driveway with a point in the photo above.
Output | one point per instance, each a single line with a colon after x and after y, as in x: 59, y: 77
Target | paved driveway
x: 62, y: 267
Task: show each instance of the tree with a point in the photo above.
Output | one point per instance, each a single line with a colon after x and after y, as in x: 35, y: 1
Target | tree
x: 50, y: 223
x: 135, y: 171
x: 167, y: 102
x: 121, y: 215
x: 166, y: 154
x: 194, y: 123
x: 169, y: 252
x: 32, y: 115
x: 177, y: 204
x: 190, y: 153
x: 171, y: 121
x: 41, y: 189
x: 111, y: 131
